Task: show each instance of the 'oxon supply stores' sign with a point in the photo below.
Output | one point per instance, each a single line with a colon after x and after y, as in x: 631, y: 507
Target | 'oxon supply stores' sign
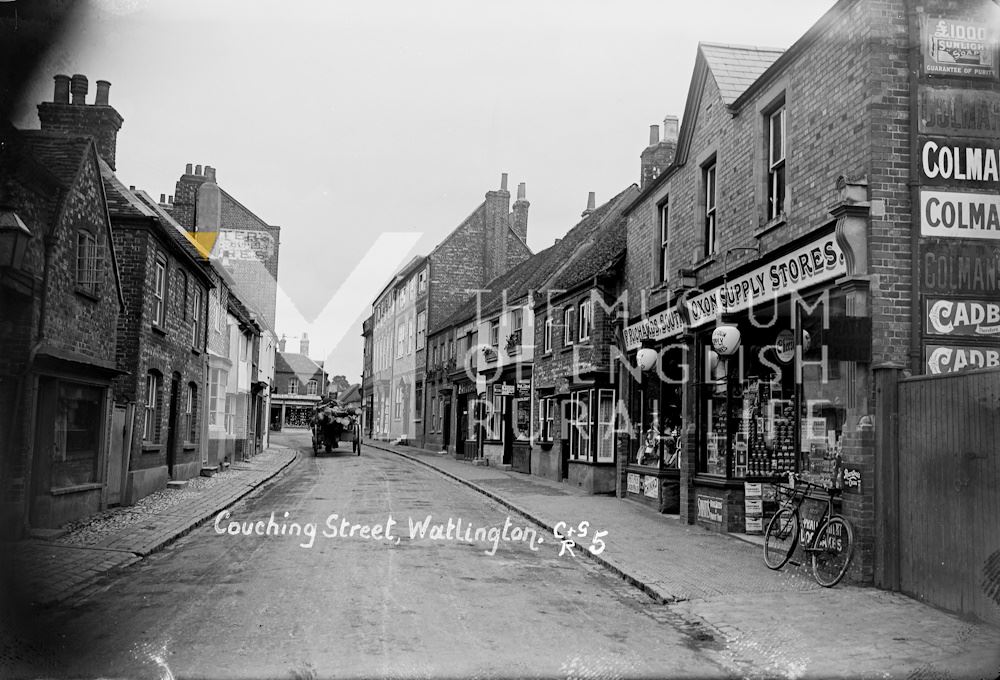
x: 811, y: 264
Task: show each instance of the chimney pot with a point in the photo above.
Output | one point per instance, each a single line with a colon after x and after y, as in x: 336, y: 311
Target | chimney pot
x: 131, y: 187
x: 654, y: 135
x: 103, y: 87
x: 170, y: 200
x: 671, y: 127
x: 163, y: 198
x: 78, y: 86
x: 62, y: 89
x: 187, y: 169
x: 197, y: 169
x: 520, y: 191
x: 590, y: 204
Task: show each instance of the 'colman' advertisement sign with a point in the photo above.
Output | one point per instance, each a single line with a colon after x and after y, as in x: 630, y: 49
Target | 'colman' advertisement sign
x: 970, y: 164
x: 953, y: 214
x: 959, y: 317
x: 954, y: 358
x: 959, y: 47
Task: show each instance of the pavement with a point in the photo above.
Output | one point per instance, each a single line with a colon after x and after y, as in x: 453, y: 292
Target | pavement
x: 755, y: 622
x: 764, y: 623
x: 44, y: 571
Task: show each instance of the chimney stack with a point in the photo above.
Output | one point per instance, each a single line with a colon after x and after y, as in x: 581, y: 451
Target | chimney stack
x: 76, y: 118
x: 188, y: 169
x: 163, y: 199
x: 503, y: 182
x: 655, y: 158
x: 79, y: 86
x: 590, y: 205
x: 281, y: 343
x: 519, y: 217
x: 197, y: 169
x: 209, y: 173
x: 304, y: 344
x: 103, y: 88
x: 62, y: 90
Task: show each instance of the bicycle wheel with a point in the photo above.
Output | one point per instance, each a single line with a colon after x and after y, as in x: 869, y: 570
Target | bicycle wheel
x: 781, y: 537
x: 832, y: 551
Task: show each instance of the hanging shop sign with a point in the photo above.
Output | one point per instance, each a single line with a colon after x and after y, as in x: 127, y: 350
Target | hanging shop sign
x: 660, y: 326
x: 960, y: 317
x: 523, y: 388
x: 955, y: 358
x: 957, y: 267
x: 506, y: 389
x: 959, y: 47
x: 710, y: 509
x: 813, y: 263
x: 971, y: 164
x: 953, y: 214
x: 955, y: 111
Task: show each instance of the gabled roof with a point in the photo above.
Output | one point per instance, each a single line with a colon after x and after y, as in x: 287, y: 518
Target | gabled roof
x: 737, y: 67
x: 352, y: 393
x: 578, y: 251
x: 123, y: 202
x: 298, y: 364
x: 61, y: 157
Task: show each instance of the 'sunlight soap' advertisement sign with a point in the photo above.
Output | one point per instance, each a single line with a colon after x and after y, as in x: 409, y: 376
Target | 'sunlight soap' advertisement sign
x: 959, y: 47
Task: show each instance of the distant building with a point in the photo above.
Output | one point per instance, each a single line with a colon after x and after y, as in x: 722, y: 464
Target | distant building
x: 299, y: 385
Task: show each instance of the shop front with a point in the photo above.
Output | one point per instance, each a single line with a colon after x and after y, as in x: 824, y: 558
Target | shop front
x: 508, y: 421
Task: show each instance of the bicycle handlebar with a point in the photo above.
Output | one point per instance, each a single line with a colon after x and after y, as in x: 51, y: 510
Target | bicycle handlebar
x: 798, y: 479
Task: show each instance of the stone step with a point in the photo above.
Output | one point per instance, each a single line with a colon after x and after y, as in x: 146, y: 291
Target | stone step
x: 176, y: 484
x: 209, y: 471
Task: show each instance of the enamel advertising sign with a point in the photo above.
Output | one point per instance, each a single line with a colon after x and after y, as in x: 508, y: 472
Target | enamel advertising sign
x: 959, y: 317
x: 954, y: 214
x: 959, y: 47
x: 954, y: 358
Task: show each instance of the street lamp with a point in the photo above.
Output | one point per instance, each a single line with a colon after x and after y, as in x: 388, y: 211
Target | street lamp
x: 14, y: 237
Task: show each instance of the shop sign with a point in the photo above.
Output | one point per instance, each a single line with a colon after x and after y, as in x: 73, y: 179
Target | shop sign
x: 710, y: 508
x: 754, y: 506
x: 651, y: 486
x: 956, y: 267
x: 754, y: 525
x: 632, y: 483
x: 959, y: 47
x: 467, y: 388
x: 523, y: 388
x: 953, y: 214
x: 660, y: 326
x: 784, y: 346
x: 976, y: 318
x: 806, y: 266
x: 957, y: 111
x: 852, y: 479
x: 753, y: 489
x: 506, y: 390
x: 955, y: 358
x: 973, y: 164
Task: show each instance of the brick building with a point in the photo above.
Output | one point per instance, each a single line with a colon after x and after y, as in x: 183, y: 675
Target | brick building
x: 792, y: 218
x: 425, y: 292
x: 367, y: 385
x: 61, y: 297
x: 299, y: 385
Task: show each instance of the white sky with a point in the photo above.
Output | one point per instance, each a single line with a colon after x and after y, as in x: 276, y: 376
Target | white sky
x: 345, y: 121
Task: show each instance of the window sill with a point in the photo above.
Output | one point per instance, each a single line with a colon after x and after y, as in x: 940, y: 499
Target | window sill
x: 86, y: 294
x: 152, y: 448
x: 190, y: 447
x: 156, y: 328
x: 603, y: 463
x: 195, y: 351
x: 703, y: 263
x: 545, y: 445
x: 705, y: 479
x: 771, y: 225
x: 75, y: 489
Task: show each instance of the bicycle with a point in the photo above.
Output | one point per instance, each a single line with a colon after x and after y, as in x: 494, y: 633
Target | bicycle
x: 831, y: 545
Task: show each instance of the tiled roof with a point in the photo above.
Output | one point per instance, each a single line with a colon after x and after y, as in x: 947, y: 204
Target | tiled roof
x: 558, y: 260
x: 736, y: 67
x: 297, y: 364
x: 60, y: 154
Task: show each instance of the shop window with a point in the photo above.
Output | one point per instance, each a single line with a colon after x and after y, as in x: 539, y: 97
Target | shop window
x: 547, y: 336
x: 580, y: 425
x: 585, y: 319
x: 522, y: 418
x: 709, y: 185
x: 662, y: 258
x: 151, y: 410
x: 77, y: 445
x: 776, y: 163
x: 567, y: 325
x: 159, y: 291
x: 88, y: 262
x: 655, y: 412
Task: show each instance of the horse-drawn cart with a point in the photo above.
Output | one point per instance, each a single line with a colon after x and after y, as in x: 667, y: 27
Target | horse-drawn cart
x: 331, y: 425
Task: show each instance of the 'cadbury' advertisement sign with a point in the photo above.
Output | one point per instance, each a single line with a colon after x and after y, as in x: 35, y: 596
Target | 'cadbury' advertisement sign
x: 962, y: 317
x: 942, y: 359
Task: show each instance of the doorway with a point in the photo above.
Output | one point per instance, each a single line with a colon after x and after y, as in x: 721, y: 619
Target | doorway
x: 446, y: 419
x: 175, y: 384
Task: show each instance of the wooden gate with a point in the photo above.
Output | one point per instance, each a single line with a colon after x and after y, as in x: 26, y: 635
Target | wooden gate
x: 949, y: 491
x: 118, y: 452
